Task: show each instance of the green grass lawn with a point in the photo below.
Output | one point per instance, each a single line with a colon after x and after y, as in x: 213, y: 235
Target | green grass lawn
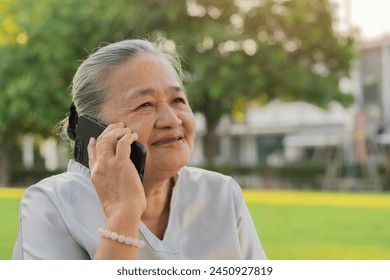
x: 8, y: 226
x: 322, y: 232
x: 291, y: 225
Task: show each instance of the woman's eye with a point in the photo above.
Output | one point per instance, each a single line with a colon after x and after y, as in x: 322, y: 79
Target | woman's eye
x: 145, y: 105
x: 179, y: 100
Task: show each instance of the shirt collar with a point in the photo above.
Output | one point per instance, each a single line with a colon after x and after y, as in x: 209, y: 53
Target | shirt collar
x: 74, y: 166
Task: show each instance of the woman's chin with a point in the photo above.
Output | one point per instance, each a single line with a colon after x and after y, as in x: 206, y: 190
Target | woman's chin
x: 168, y: 164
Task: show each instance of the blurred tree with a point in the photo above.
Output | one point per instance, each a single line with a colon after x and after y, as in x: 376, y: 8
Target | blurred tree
x: 240, y: 51
x: 234, y: 52
x: 41, y: 44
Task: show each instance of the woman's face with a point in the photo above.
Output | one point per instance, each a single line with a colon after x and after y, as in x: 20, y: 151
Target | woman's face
x: 145, y: 94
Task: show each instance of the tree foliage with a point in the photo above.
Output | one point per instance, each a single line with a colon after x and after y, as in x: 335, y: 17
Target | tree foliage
x: 233, y: 51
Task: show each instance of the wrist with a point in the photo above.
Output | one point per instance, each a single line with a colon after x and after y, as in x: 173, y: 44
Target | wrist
x: 122, y: 219
x: 124, y: 209
x: 126, y: 225
x: 124, y: 216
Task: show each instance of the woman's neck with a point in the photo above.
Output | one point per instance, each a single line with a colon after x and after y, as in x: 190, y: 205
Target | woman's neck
x: 158, y: 199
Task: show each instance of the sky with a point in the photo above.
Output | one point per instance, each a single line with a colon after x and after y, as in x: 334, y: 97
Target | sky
x: 371, y: 16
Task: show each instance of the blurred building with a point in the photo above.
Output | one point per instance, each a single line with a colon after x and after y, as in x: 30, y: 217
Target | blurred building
x: 281, y: 133
x: 374, y: 99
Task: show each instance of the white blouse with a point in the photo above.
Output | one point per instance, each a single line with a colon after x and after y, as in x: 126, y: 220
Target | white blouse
x: 60, y: 215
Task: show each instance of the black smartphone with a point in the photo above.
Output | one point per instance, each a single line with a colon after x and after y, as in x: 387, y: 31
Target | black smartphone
x: 86, y: 128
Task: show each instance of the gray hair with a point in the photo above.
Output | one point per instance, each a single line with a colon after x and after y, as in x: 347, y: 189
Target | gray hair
x: 87, y: 89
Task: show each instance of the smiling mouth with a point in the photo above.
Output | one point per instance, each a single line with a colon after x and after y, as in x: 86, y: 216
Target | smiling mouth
x: 169, y: 140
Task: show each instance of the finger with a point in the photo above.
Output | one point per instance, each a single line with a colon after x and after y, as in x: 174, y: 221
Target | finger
x: 91, y: 152
x: 123, y: 148
x: 108, y: 129
x: 112, y: 127
x: 108, y: 142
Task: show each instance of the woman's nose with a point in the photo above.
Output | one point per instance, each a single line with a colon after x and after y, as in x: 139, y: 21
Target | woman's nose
x: 167, y: 117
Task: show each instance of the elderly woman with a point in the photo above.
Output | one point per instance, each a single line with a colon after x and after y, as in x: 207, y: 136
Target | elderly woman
x: 176, y: 212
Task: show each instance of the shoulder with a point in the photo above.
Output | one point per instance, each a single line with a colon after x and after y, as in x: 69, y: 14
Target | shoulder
x: 202, y: 180
x: 60, y: 184
x: 196, y: 174
x: 70, y: 187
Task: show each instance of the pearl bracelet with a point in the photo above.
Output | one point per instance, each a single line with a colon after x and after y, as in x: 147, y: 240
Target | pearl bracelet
x: 121, y: 238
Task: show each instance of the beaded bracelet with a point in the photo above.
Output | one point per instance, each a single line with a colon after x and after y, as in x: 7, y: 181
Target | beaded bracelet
x: 121, y: 238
